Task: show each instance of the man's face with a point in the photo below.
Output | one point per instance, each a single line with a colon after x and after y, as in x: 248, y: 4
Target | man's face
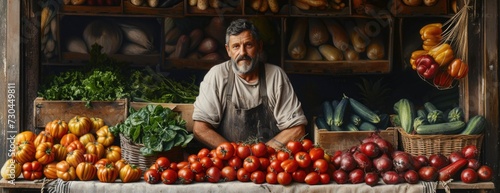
x: 243, y: 50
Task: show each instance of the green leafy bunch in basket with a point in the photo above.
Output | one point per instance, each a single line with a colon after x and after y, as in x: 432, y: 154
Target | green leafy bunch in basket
x: 158, y: 128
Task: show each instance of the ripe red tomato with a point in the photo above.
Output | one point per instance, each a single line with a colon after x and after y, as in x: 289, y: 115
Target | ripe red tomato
x: 206, y: 162
x: 185, y: 176
x: 169, y: 176
x: 259, y: 149
x: 243, y: 151
x: 275, y: 167
x: 270, y: 150
x: 152, y: 176
x: 193, y: 158
x: 224, y: 151
x: 264, y: 163
x: 162, y: 163
x: 469, y: 175
x: 294, y: 146
x: 251, y: 163
x: 316, y: 153
x: 235, y: 162
x: 196, y: 167
x: 303, y: 159
x: 290, y: 165
x: 200, y: 177
x: 228, y: 174
x: 203, y: 152
x: 320, y: 165
x: 485, y: 173
x: 183, y: 164
x: 284, y: 178
x: 258, y: 177
x: 299, y: 175
x: 312, y: 178
x: 243, y: 175
x: 282, y: 155
x: 217, y: 162
x: 173, y: 166
x: 324, y: 178
x: 307, y: 144
x: 213, y: 174
x: 272, y: 178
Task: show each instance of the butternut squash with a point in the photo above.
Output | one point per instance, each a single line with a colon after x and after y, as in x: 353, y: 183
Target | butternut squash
x: 264, y: 6
x: 296, y: 46
x: 202, y: 4
x: 274, y: 5
x: 318, y: 34
x: 301, y: 5
x: 331, y: 53
x: 181, y: 48
x: 351, y: 55
x: 313, y: 54
x: 255, y: 4
x: 375, y: 50
x: 338, y: 33
x: 207, y: 45
x: 195, y: 36
x: 173, y: 35
x: 356, y: 35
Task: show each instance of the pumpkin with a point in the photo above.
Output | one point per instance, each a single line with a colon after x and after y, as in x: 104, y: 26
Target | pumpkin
x: 96, y: 148
x: 97, y: 123
x: 25, y: 136
x: 43, y: 137
x: 65, y: 171
x: 130, y: 173
x: 107, y: 173
x: 25, y: 152
x: 57, y: 129
x: 44, y: 153
x: 11, y: 169
x: 86, y: 171
x: 75, y: 157
x: 74, y: 145
x: 32, y: 170
x: 67, y: 139
x: 113, y: 153
x: 87, y: 138
x: 79, y: 125
x: 60, y: 152
x: 50, y: 170
x: 104, y: 136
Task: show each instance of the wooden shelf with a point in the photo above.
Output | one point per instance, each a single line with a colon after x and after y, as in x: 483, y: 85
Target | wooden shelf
x: 337, y: 67
x: 174, y: 11
x: 91, y: 9
x: 78, y: 58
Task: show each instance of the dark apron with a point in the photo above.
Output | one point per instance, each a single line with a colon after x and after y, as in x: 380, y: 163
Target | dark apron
x: 239, y: 124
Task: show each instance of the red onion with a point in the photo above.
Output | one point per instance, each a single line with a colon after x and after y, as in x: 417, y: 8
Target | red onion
x: 382, y: 163
x: 473, y: 164
x: 340, y: 176
x: 470, y: 152
x: 391, y: 177
x: 402, y: 162
x: 428, y: 173
x: 411, y: 176
x: 363, y: 161
x: 469, y: 175
x: 454, y: 156
x: 371, y: 178
x: 347, y: 162
x: 438, y: 161
x: 357, y: 176
x: 370, y: 149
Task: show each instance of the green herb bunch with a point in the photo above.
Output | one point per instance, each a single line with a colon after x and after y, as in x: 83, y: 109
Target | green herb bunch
x: 157, y: 128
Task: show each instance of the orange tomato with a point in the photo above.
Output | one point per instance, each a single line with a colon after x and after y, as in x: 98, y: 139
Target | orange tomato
x: 105, y: 137
x: 107, y: 173
x: 80, y: 125
x: 113, y: 153
x: 57, y: 128
x: 96, y: 148
x: 43, y: 137
x: 44, y: 153
x: 86, y: 171
x: 65, y: 171
x: 130, y: 173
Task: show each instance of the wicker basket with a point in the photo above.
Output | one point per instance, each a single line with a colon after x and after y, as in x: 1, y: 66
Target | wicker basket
x: 432, y: 144
x: 132, y: 153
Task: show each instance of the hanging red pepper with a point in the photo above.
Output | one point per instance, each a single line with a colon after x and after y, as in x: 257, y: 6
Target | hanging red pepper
x: 458, y: 69
x: 426, y: 66
x: 443, y: 79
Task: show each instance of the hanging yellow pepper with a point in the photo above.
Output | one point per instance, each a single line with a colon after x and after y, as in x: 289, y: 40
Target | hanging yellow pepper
x: 443, y: 54
x: 414, y: 55
x: 431, y: 35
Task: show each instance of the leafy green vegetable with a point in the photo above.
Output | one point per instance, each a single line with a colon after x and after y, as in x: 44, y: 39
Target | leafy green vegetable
x: 157, y: 128
x: 151, y: 86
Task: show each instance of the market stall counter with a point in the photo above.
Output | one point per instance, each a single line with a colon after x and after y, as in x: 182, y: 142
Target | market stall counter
x: 53, y: 186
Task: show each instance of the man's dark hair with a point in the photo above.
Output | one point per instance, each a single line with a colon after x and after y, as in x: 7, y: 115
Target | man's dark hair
x: 240, y: 25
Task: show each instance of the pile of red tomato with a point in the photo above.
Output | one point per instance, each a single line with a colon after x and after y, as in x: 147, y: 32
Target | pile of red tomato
x: 298, y: 161
x: 372, y: 162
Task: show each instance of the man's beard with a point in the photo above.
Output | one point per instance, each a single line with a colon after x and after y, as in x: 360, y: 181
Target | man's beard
x: 246, y: 67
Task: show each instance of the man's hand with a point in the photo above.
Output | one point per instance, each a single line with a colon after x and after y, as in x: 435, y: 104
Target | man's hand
x: 204, y: 133
x: 292, y: 133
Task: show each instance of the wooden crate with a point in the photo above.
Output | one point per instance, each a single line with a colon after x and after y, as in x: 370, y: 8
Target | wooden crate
x: 176, y: 10
x: 115, y: 9
x: 332, y: 141
x: 185, y: 109
x: 112, y: 112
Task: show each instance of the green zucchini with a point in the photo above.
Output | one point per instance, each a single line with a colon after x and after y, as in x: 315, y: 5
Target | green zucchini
x: 406, y: 113
x: 420, y: 120
x: 384, y: 121
x: 421, y: 113
x: 334, y: 104
x: 364, y: 112
x: 355, y: 119
x: 434, y: 115
x: 367, y: 126
x: 475, y: 125
x: 395, y: 121
x: 339, y: 112
x: 456, y: 114
x: 328, y: 112
x: 335, y: 128
x: 351, y: 127
x: 441, y: 128
x: 321, y: 123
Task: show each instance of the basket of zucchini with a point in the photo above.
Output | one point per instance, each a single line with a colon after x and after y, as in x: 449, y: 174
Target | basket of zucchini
x: 430, y: 130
